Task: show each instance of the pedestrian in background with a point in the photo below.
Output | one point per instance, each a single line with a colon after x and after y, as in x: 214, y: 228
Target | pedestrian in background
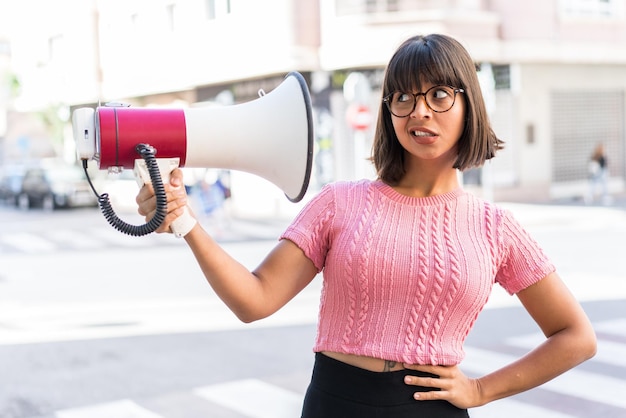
x: 408, y: 259
x: 211, y: 193
x: 598, y: 176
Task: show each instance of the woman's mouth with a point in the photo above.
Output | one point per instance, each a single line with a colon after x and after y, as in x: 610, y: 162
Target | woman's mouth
x: 423, y: 136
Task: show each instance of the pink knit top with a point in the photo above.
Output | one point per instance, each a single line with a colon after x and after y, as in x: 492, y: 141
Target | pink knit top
x: 405, y: 278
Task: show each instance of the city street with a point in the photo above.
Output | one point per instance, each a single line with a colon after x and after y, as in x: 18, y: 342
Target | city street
x: 94, y: 323
x: 261, y: 104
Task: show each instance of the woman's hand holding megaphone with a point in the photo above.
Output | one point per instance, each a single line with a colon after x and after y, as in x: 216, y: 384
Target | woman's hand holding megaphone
x: 178, y: 212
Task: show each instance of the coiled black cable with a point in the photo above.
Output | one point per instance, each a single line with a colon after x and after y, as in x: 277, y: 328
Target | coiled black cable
x: 148, y: 153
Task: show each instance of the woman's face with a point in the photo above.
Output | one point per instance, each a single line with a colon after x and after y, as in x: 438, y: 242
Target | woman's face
x: 430, y: 136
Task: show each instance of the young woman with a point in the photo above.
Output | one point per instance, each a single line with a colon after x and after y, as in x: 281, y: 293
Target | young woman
x: 409, y: 259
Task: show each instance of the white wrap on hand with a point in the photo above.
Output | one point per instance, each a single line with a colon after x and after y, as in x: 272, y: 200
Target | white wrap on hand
x: 183, y: 224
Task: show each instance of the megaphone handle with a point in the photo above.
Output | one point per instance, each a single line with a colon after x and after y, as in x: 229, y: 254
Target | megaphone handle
x: 185, y: 222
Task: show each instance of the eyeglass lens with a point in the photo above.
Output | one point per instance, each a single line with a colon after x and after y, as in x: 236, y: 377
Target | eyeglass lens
x: 438, y: 98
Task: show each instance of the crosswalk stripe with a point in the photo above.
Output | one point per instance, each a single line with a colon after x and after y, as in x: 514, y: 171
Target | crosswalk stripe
x: 609, y: 352
x: 574, y: 383
x: 76, y: 239
x: 262, y: 400
x: 614, y: 327
x: 27, y: 242
x: 119, y: 409
x: 116, y: 238
x: 83, y: 239
x: 512, y: 408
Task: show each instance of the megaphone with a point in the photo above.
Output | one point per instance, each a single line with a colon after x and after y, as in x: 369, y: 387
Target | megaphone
x: 271, y: 137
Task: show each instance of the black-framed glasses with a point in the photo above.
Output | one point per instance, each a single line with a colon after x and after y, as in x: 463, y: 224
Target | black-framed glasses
x: 439, y: 99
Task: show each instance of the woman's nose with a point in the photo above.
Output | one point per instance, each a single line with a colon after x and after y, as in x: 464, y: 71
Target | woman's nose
x: 421, y: 109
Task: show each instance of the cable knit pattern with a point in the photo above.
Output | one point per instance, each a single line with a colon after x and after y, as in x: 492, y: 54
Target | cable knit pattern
x: 405, y: 278
x: 422, y: 280
x: 356, y: 272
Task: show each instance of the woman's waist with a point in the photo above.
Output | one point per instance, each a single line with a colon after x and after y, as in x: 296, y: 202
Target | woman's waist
x: 391, y: 358
x: 364, y: 362
x: 358, y: 385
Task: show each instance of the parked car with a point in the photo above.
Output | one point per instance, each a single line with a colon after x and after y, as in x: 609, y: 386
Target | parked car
x: 54, y: 186
x: 10, y: 184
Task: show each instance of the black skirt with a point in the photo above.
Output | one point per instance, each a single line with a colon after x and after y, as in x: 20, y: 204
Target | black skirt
x: 339, y: 390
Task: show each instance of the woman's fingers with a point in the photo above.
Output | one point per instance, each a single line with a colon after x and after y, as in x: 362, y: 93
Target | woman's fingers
x: 176, y: 201
x: 448, y: 383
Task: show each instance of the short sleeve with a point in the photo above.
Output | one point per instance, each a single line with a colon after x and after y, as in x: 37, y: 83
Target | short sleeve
x: 524, y: 262
x: 312, y: 228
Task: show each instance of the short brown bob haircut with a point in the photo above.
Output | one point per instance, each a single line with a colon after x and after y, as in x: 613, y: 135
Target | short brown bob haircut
x: 437, y: 59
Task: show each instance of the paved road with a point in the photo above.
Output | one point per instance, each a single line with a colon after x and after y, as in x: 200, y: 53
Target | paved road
x: 107, y: 338
x: 262, y: 373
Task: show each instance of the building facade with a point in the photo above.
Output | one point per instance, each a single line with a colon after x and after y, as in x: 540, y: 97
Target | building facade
x: 554, y: 71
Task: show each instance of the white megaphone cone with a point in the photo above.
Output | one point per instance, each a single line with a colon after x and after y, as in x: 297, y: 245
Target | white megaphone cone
x: 271, y: 137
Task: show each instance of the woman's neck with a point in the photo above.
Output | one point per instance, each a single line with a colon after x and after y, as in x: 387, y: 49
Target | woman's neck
x: 422, y: 182
x: 424, y: 190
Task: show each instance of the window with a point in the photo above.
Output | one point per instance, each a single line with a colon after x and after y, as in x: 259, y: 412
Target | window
x: 55, y: 45
x: 210, y: 9
x: 5, y: 48
x: 170, y: 13
x: 373, y: 6
x: 579, y: 120
x: 352, y: 7
x: 502, y: 76
x: 594, y: 9
x: 135, y: 21
x: 216, y: 8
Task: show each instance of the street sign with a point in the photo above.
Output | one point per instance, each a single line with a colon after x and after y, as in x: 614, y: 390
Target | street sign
x: 359, y: 117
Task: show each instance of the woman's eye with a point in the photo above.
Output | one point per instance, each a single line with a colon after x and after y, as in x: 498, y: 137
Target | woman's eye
x: 403, y: 98
x: 440, y: 94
